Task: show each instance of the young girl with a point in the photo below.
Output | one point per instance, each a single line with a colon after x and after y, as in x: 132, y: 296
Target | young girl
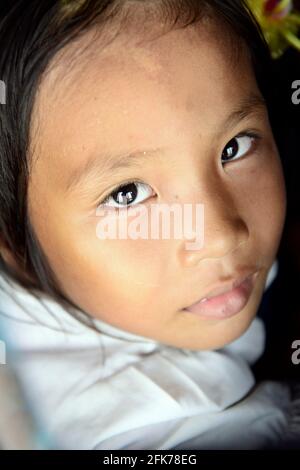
x: 139, y: 343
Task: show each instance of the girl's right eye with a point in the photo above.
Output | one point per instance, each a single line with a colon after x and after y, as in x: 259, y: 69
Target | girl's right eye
x: 126, y: 194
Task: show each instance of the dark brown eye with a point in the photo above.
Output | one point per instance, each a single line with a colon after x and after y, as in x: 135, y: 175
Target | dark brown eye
x: 237, y: 147
x: 127, y: 194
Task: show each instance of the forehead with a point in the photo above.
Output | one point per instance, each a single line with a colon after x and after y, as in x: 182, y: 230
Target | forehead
x: 96, y: 56
x: 114, y: 92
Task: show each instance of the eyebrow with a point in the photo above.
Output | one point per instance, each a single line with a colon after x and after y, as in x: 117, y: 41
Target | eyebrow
x: 103, y: 165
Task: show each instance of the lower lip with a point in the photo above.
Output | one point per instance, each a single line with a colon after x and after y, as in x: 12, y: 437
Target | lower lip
x: 228, y: 304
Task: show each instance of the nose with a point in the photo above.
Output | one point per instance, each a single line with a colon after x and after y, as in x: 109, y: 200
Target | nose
x: 224, y: 228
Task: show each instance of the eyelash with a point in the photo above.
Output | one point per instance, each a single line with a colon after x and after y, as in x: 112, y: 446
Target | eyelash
x: 118, y: 188
x: 255, y: 136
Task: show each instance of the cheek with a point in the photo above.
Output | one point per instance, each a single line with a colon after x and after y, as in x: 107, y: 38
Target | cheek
x: 273, y: 203
x: 264, y: 203
x: 108, y: 276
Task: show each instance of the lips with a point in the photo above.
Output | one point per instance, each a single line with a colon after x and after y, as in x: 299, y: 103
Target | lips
x: 225, y: 300
x: 226, y: 287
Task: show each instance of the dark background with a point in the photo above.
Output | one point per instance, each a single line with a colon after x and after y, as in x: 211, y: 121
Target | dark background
x: 280, y: 307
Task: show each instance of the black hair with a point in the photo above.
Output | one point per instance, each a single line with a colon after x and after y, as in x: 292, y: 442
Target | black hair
x: 31, y: 34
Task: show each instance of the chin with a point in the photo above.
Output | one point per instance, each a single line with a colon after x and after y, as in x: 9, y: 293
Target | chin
x: 236, y: 328
x: 222, y: 332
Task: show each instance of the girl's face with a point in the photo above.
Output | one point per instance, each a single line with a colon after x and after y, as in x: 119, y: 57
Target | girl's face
x: 181, y: 98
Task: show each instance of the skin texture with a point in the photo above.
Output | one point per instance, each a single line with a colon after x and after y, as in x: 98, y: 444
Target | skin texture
x: 173, y: 92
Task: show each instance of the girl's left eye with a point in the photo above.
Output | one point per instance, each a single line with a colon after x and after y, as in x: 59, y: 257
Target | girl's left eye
x: 238, y: 147
x: 127, y: 194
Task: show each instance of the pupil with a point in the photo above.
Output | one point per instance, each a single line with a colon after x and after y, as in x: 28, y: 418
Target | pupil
x: 127, y: 195
x: 231, y: 149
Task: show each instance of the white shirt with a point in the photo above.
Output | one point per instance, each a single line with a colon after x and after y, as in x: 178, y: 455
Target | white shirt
x: 117, y: 390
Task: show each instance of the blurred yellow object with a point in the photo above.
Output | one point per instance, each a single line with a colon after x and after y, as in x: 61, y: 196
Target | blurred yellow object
x: 279, y: 22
